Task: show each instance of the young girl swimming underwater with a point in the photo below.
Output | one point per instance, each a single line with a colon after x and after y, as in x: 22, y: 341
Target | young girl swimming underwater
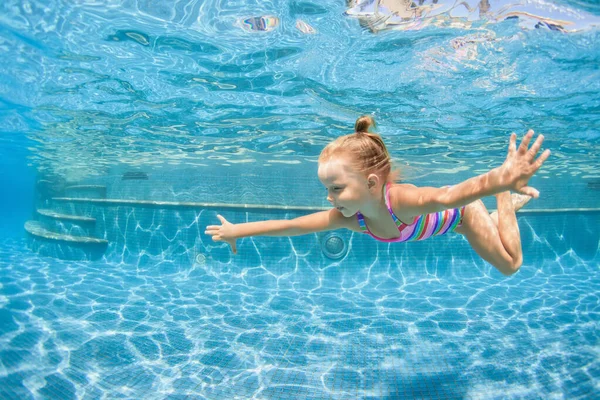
x: 357, y: 171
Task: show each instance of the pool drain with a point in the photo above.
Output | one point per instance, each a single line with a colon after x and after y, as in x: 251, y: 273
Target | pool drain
x: 334, y: 246
x: 200, y: 259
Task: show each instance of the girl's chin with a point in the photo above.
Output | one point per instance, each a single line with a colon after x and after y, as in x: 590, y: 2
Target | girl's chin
x: 345, y: 212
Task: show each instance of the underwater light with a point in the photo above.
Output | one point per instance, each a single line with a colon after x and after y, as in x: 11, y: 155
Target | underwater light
x: 334, y: 246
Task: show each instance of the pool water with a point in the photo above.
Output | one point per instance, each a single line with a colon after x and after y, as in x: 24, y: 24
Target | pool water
x: 127, y: 126
x: 391, y: 327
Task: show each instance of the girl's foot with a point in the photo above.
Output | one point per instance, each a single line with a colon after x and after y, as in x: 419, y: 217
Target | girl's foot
x: 518, y: 202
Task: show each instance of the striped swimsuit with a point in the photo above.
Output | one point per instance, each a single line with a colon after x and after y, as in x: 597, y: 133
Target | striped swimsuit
x: 423, y: 227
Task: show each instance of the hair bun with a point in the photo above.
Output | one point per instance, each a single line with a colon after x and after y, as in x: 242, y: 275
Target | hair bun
x: 364, y: 123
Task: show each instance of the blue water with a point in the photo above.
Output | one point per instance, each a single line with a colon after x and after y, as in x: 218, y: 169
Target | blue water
x: 151, y: 118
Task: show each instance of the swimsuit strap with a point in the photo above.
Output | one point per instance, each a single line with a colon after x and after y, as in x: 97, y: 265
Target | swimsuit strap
x: 361, y: 222
x: 386, y: 196
x: 389, y: 207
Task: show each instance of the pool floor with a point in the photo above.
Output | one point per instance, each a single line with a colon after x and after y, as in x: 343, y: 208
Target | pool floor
x: 93, y: 330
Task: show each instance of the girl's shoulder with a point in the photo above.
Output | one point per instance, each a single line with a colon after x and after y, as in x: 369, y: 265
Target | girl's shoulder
x: 395, y: 192
x: 399, y: 186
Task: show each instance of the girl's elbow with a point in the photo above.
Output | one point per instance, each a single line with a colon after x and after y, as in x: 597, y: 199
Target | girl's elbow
x: 297, y: 227
x: 442, y: 200
x: 434, y: 204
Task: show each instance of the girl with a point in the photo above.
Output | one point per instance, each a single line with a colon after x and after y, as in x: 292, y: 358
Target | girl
x: 357, y: 171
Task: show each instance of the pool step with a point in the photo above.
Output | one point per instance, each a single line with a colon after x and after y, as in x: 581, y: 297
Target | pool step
x: 36, y: 229
x: 86, y: 191
x: 80, y: 187
x: 67, y: 224
x: 62, y: 245
x: 65, y: 217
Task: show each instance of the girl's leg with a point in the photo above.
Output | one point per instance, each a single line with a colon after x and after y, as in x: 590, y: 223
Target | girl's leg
x: 499, y: 244
x: 518, y: 202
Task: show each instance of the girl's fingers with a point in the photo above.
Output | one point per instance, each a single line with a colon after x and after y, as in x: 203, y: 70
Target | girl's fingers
x: 542, y: 158
x: 525, y: 143
x: 223, y: 220
x: 512, y: 144
x: 535, y: 147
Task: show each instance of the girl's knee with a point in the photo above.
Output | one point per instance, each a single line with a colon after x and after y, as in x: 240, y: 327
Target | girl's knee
x: 511, y: 267
x: 517, y: 264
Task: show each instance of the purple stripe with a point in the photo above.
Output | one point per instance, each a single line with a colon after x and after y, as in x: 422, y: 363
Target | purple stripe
x: 431, y: 227
x: 441, y: 219
x: 454, y: 216
x: 418, y: 228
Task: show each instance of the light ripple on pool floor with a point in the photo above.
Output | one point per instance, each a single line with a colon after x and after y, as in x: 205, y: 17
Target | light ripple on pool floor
x: 84, y: 330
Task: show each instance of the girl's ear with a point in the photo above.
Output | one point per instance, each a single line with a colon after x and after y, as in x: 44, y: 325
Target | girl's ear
x: 372, y: 181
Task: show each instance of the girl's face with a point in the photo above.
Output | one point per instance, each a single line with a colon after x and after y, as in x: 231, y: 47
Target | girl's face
x: 347, y: 189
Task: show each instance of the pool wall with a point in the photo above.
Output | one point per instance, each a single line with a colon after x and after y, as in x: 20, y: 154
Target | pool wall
x: 17, y: 182
x: 172, y: 238
x: 145, y: 218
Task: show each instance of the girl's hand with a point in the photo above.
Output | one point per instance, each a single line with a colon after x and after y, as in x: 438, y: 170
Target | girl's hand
x: 223, y: 233
x: 521, y: 164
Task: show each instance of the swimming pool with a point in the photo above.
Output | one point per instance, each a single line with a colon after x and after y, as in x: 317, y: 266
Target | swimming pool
x: 139, y: 128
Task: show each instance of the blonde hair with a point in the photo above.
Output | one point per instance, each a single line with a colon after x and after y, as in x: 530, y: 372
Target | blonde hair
x: 366, y: 150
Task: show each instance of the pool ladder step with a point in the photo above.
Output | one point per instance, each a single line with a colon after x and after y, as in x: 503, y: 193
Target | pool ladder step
x: 64, y: 236
x: 93, y: 191
x: 65, y: 217
x: 36, y: 229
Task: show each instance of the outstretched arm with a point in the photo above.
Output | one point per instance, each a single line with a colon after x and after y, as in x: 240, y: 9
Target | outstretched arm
x: 317, y: 222
x: 513, y: 174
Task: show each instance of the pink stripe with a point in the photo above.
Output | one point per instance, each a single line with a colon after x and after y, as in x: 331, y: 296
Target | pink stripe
x: 426, y: 223
x: 453, y: 218
x: 431, y: 224
x: 447, y: 221
x: 408, y: 231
